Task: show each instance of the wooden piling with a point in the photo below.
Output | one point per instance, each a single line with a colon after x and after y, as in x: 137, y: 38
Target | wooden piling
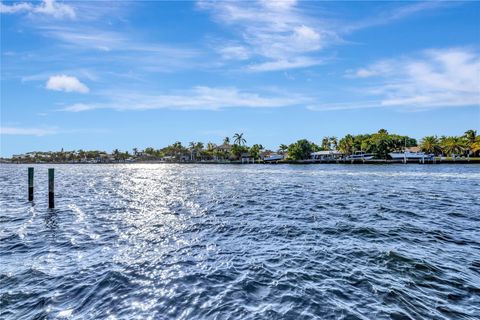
x: 30, y: 184
x: 51, y: 189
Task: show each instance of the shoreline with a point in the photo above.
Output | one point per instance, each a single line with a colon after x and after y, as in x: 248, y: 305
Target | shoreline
x: 292, y: 162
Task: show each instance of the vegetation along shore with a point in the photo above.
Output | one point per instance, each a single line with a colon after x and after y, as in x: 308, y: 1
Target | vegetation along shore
x: 379, y: 147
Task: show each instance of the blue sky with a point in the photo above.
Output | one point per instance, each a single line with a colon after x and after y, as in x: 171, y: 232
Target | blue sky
x: 105, y: 75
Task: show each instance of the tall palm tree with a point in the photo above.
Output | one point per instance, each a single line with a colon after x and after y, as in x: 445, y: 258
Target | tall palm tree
x: 470, y: 137
x: 283, y: 148
x: 238, y: 139
x: 192, y: 147
x: 475, y: 147
x: 116, y: 154
x: 334, y: 142
x: 430, y: 144
x: 210, y: 146
x: 453, y: 145
x: 347, y: 144
x: 326, y: 143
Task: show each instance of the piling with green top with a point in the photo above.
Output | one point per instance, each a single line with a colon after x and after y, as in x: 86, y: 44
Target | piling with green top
x: 51, y: 189
x: 30, y: 184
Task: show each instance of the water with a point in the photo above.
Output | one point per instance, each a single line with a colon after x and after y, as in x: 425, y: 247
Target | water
x: 241, y: 242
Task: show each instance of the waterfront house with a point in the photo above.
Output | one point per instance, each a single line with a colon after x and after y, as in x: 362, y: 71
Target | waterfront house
x: 247, y: 158
x: 326, y: 155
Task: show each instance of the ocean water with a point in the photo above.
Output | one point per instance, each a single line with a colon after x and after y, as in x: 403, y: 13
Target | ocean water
x: 166, y: 241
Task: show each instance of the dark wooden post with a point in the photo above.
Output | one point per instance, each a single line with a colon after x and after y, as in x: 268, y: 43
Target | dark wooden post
x: 30, y: 184
x: 51, y: 189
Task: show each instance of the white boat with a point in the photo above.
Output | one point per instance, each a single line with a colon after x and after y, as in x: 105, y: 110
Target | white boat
x: 360, y: 155
x: 409, y: 155
x: 273, y: 157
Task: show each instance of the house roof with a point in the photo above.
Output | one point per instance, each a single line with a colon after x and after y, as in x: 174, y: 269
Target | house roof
x: 223, y: 147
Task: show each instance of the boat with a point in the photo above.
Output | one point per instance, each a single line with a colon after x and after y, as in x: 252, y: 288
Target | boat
x: 409, y: 155
x: 360, y: 155
x: 273, y: 157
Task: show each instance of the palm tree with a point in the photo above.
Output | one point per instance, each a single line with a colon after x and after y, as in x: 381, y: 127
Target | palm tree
x: 283, y: 148
x: 452, y: 145
x: 347, y: 144
x: 116, y: 154
x: 192, y: 147
x: 226, y: 140
x: 326, y: 143
x: 334, y: 142
x: 135, y: 151
x: 238, y: 139
x: 470, y: 137
x: 430, y: 144
x: 475, y: 146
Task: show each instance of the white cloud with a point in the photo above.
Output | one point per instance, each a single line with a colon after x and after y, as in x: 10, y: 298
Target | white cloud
x: 279, y: 4
x: 395, y: 14
x: 283, y: 33
x: 436, y: 78
x: 27, y: 131
x: 56, y: 10
x: 66, y: 83
x: 198, y: 98
x: 47, y: 7
x: 16, y: 7
x: 276, y: 31
x: 234, y: 52
x: 300, y: 62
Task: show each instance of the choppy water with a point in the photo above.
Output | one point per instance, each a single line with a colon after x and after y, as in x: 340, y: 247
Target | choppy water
x: 242, y: 242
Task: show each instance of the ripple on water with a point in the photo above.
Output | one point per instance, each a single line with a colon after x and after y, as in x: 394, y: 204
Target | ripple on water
x: 249, y: 242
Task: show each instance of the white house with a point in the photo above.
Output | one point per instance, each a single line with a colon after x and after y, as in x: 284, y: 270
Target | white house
x: 326, y: 155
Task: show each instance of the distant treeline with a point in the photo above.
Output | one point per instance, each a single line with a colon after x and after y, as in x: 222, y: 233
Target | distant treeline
x: 380, y: 143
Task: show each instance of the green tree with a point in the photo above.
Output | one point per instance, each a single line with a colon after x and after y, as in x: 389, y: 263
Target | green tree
x: 333, y: 143
x: 237, y: 151
x: 255, y: 150
x: 475, y: 146
x: 325, y: 143
x: 347, y: 144
x: 380, y: 143
x: 430, y: 144
x: 149, y: 151
x: 470, y: 139
x: 283, y: 148
x: 226, y: 140
x: 301, y: 149
x: 452, y: 145
x: 238, y: 139
x: 116, y: 154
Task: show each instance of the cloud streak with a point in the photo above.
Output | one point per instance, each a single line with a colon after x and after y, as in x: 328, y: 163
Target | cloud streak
x: 281, y: 35
x: 47, y: 7
x: 433, y: 79
x: 23, y: 131
x: 277, y: 32
x: 197, y: 98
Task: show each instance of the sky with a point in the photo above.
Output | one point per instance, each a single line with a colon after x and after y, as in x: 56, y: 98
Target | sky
x: 105, y: 75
